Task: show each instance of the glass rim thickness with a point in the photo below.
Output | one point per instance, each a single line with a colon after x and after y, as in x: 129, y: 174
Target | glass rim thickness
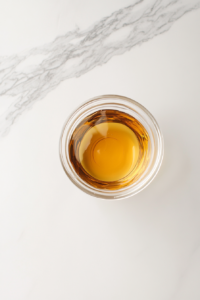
x: 132, y: 108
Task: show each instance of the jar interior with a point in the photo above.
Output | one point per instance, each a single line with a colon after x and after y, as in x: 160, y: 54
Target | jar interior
x: 109, y: 149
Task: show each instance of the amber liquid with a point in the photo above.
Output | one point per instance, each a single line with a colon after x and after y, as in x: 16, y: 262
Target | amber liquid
x: 109, y: 149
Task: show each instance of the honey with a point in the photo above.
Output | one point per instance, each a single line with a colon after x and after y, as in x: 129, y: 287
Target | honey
x: 109, y: 149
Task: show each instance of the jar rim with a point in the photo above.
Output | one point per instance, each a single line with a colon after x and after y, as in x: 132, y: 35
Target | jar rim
x: 120, y: 103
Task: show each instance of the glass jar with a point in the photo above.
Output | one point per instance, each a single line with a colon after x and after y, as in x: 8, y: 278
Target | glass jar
x: 130, y: 107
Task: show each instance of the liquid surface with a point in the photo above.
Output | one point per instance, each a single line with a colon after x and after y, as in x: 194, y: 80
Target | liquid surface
x: 109, y: 149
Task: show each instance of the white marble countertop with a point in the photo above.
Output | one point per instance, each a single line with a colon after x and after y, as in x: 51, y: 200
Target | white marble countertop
x: 55, y: 241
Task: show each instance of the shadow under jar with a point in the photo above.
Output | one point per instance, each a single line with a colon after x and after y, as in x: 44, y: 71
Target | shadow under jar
x: 111, y: 147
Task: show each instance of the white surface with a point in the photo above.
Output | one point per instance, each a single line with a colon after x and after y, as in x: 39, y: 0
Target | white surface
x: 59, y: 243
x: 30, y: 75
x: 37, y: 22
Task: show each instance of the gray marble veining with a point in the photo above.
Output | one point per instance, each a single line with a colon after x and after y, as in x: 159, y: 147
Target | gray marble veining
x: 30, y: 76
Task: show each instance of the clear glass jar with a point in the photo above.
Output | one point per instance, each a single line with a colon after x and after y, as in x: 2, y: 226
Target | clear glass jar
x: 128, y: 106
